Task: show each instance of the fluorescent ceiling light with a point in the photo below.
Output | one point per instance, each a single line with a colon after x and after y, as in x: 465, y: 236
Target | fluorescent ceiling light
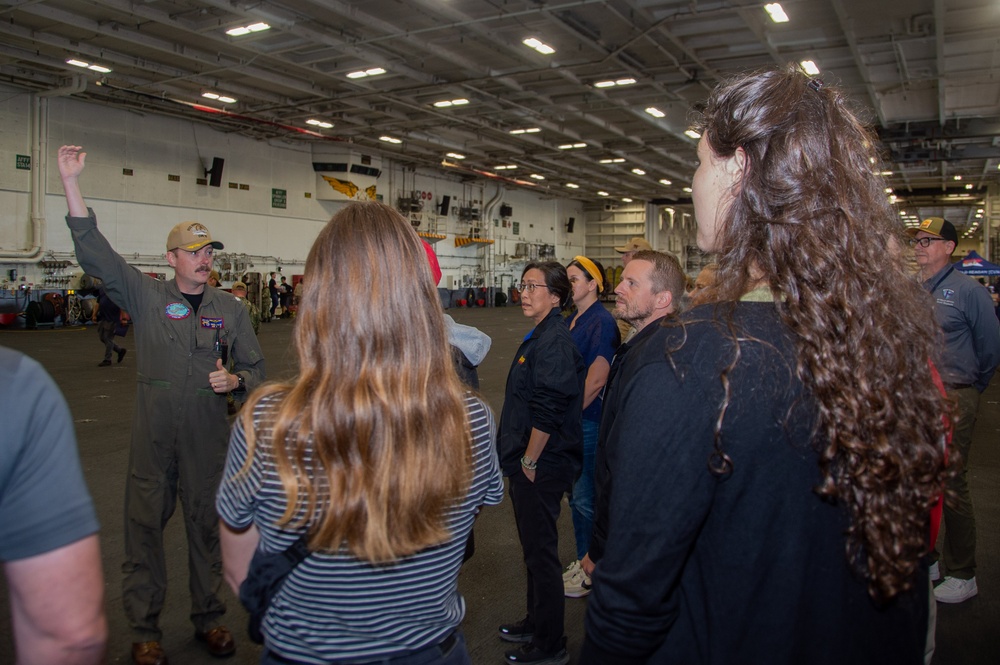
x: 888, y: 190
x: 809, y: 67
x: 572, y: 185
x: 611, y: 84
x: 390, y: 139
x: 655, y: 112
x: 664, y: 181
x: 688, y: 190
x: 969, y: 186
x: 537, y: 177
x: 527, y: 130
x: 638, y: 172
x: 319, y: 123
x: 455, y: 155
x: 693, y: 134
x: 602, y: 193
x: 615, y: 160
x: 365, y: 73
x: 776, y: 13
x: 627, y: 200
x: 86, y: 65
x: 571, y: 146
x: 445, y: 103
x: 219, y: 98
x: 505, y: 167
x: 539, y: 46
x: 246, y: 30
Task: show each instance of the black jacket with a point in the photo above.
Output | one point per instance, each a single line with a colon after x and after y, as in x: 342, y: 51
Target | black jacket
x: 602, y: 475
x: 745, y: 568
x: 545, y: 392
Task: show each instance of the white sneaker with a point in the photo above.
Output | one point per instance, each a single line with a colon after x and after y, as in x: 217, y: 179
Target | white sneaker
x: 954, y: 590
x: 571, y: 571
x: 577, y: 586
x: 935, y: 572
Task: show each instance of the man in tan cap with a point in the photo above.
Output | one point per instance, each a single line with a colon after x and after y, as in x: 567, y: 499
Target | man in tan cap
x: 631, y: 247
x: 185, y: 336
x: 240, y: 291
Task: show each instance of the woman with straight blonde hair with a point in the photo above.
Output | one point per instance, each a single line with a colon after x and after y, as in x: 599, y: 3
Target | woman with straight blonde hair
x: 375, y: 456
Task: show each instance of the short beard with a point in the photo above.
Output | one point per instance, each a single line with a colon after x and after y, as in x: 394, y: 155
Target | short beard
x: 629, y: 318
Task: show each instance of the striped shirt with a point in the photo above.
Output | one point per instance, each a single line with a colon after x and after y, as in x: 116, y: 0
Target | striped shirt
x: 334, y: 606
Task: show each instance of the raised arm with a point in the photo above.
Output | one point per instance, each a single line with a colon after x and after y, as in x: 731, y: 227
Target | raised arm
x: 71, y: 163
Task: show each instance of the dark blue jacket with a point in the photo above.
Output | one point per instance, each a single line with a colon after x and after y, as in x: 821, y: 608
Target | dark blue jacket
x: 545, y: 392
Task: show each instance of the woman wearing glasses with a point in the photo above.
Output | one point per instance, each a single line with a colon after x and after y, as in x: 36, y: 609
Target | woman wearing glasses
x: 540, y: 442
x: 778, y: 452
x: 375, y: 455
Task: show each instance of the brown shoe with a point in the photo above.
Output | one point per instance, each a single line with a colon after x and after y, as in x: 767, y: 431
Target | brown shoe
x: 218, y: 640
x: 148, y: 653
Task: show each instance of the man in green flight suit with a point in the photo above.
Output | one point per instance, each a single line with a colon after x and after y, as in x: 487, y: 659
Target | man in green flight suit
x: 185, y: 334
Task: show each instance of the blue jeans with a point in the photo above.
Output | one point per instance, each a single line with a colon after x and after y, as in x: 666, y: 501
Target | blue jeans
x: 581, y: 499
x: 452, y: 653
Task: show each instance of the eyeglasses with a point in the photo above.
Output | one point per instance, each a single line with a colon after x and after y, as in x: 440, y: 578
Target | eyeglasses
x: 530, y: 287
x: 924, y: 242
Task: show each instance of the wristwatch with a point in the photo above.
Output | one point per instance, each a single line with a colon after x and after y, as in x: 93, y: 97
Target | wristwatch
x: 242, y: 385
x: 529, y: 463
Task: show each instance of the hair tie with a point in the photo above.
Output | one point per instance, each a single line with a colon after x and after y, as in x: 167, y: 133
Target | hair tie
x: 815, y: 84
x: 592, y: 270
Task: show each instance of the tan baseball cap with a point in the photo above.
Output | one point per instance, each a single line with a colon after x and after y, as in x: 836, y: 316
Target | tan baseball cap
x: 190, y: 236
x: 239, y: 285
x: 634, y: 245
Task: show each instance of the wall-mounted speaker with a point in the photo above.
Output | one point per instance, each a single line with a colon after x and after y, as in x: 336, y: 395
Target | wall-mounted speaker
x: 215, y: 172
x: 570, y: 224
x: 506, y: 210
x: 445, y: 205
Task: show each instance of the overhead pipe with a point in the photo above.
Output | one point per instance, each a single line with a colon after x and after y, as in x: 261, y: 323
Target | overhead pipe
x: 39, y: 151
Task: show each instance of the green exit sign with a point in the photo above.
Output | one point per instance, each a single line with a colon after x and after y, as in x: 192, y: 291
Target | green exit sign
x: 279, y: 198
x: 23, y: 162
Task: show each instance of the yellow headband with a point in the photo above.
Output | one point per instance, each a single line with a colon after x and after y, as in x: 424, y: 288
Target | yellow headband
x: 589, y: 266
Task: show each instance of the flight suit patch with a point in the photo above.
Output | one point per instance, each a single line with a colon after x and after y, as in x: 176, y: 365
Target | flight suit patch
x: 178, y: 310
x: 212, y: 322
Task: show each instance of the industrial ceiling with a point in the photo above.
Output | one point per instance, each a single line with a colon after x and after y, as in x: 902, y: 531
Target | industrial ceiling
x: 602, y: 115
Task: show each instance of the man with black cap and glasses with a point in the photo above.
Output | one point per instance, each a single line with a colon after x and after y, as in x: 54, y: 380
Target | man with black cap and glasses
x: 185, y: 335
x: 970, y: 354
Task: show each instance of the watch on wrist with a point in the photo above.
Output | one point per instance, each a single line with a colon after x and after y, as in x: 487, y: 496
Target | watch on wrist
x: 529, y: 463
x: 241, y: 383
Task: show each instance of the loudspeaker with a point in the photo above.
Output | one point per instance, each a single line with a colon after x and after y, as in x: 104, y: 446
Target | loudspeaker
x: 569, y: 224
x: 215, y: 172
x: 506, y: 210
x: 445, y: 205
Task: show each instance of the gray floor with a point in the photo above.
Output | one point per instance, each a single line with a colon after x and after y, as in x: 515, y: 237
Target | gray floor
x: 493, y: 581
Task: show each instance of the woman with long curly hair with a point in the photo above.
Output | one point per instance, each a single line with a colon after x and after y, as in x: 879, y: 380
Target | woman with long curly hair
x: 375, y: 455
x: 777, y: 452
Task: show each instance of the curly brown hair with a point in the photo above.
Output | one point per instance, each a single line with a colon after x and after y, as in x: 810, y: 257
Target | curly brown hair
x: 810, y: 219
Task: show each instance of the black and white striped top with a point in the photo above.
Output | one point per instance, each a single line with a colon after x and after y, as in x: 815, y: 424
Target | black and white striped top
x: 335, y: 606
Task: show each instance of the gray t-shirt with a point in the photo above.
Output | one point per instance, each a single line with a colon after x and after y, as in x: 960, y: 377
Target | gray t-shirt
x: 44, y: 503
